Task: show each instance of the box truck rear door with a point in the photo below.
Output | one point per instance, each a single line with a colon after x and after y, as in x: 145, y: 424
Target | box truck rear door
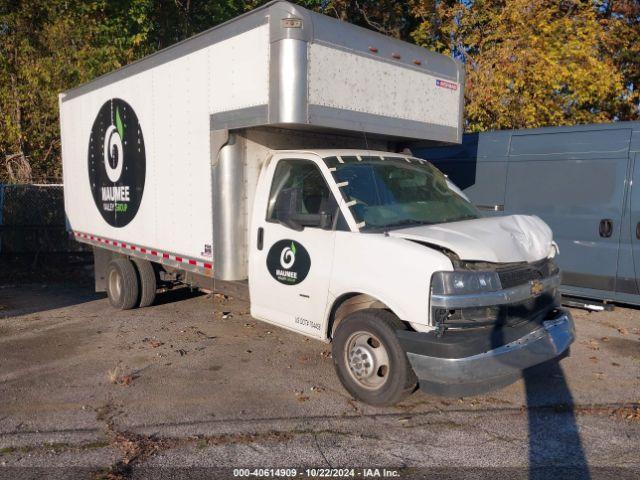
x: 291, y: 250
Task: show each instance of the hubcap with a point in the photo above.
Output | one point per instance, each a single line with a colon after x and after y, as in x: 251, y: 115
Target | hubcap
x: 361, y: 361
x: 367, y: 360
x: 115, y: 284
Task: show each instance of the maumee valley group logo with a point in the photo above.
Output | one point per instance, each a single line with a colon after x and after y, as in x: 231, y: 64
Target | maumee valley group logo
x: 288, y: 262
x: 117, y: 162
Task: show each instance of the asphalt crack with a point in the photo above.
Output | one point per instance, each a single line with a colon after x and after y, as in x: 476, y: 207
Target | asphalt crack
x: 136, y: 448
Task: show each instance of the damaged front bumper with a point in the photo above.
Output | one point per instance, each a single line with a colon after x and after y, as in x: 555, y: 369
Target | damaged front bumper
x: 478, y: 360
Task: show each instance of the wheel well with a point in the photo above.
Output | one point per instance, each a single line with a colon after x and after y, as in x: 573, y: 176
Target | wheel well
x: 349, y: 303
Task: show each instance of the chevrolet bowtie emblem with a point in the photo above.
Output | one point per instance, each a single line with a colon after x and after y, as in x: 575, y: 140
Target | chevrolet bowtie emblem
x: 536, y: 287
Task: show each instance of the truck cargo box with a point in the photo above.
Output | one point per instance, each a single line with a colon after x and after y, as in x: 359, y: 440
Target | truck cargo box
x: 141, y: 145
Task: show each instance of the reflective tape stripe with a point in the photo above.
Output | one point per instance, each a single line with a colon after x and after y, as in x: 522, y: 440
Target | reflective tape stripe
x: 144, y: 252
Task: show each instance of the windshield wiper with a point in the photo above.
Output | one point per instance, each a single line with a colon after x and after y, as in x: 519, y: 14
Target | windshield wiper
x: 406, y: 221
x: 403, y: 223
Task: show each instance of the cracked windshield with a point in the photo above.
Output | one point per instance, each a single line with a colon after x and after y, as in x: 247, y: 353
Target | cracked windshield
x: 396, y: 192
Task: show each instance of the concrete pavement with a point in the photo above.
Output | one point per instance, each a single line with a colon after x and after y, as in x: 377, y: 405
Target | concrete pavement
x: 194, y: 381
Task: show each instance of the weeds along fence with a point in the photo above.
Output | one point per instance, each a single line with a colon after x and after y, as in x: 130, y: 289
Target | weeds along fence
x: 32, y: 222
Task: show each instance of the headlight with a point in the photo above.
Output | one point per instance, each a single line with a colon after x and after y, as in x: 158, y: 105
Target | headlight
x: 464, y: 282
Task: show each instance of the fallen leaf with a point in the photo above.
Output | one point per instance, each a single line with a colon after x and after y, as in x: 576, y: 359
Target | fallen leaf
x: 623, y: 331
x: 593, y: 345
x: 202, y: 334
x: 300, y: 395
x: 120, y: 379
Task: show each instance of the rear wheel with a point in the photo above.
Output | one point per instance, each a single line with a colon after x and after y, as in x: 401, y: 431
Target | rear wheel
x: 369, y: 360
x: 122, y: 284
x: 148, y: 284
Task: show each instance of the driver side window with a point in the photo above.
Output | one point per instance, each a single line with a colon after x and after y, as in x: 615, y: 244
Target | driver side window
x: 299, y: 190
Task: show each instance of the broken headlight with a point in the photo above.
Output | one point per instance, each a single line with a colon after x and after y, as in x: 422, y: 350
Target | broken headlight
x: 464, y: 282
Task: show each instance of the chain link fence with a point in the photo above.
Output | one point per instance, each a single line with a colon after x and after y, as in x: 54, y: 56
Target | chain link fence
x: 32, y: 222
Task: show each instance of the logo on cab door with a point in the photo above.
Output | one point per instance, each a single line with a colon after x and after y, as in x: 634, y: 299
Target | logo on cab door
x: 288, y: 262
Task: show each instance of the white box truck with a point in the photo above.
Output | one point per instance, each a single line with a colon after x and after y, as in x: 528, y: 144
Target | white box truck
x: 261, y: 157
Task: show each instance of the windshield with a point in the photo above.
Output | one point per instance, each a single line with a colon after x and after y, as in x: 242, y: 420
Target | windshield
x: 394, y: 192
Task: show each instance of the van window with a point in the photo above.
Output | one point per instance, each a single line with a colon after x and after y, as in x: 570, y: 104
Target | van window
x: 313, y: 197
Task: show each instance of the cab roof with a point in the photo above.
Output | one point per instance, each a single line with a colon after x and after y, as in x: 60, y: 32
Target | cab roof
x: 348, y: 152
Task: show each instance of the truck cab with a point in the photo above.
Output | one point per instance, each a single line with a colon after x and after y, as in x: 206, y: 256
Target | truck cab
x: 381, y: 254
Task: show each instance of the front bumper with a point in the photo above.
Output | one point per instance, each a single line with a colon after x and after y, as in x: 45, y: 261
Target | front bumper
x: 467, y: 367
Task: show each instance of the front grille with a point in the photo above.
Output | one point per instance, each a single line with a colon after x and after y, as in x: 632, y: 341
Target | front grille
x: 511, y: 314
x: 512, y: 276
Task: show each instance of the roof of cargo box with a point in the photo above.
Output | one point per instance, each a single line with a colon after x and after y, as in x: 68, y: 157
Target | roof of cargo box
x: 287, y: 21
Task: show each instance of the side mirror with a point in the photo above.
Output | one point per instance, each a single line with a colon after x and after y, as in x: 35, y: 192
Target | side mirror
x: 287, y: 214
x: 326, y: 221
x: 322, y: 220
x: 286, y: 208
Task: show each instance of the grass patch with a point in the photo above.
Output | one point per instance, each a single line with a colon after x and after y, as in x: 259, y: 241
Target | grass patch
x: 95, y: 445
x: 202, y: 444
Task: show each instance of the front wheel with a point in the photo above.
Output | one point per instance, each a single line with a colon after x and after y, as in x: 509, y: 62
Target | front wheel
x: 369, y: 360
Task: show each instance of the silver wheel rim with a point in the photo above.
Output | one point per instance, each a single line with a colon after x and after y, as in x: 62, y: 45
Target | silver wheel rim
x: 367, y: 360
x: 115, y: 284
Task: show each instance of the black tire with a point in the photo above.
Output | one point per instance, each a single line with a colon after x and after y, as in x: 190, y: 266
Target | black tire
x: 148, y: 283
x: 397, y: 379
x: 122, y: 284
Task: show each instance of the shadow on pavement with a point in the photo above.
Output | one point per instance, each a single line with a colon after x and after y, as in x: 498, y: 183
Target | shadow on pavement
x: 555, y: 447
x: 177, y: 295
x: 25, y: 299
x: 16, y: 300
